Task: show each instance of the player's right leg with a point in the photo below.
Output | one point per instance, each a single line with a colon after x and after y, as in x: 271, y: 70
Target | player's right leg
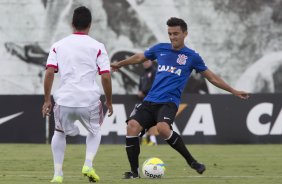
x: 141, y: 118
x: 133, y: 148
x: 58, y: 145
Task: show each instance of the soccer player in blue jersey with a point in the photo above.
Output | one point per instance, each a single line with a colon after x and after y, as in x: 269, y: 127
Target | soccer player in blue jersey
x: 175, y: 64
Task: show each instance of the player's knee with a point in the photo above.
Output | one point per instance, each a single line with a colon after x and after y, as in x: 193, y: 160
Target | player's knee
x: 132, y: 124
x: 163, y: 130
x: 59, y: 133
x: 133, y: 127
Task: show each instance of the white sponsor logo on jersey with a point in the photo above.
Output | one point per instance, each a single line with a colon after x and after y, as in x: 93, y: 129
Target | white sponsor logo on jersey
x: 170, y: 69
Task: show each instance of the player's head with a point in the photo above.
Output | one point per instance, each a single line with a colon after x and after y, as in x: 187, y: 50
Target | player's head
x: 82, y: 18
x: 177, y: 31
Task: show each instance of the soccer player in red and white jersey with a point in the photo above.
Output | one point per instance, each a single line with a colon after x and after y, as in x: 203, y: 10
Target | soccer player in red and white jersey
x: 78, y: 58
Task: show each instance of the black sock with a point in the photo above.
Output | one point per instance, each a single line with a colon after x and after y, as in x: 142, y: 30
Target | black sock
x: 133, y: 151
x: 177, y: 143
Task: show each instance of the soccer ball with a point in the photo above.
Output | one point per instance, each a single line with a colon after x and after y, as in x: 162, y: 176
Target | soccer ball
x: 153, y: 168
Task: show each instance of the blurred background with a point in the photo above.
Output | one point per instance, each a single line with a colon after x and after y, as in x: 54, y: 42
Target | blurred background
x: 239, y: 40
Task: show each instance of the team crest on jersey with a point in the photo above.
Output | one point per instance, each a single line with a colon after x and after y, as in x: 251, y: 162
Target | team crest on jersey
x: 181, y: 59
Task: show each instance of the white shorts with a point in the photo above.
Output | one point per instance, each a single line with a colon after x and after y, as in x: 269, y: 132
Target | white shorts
x: 90, y: 117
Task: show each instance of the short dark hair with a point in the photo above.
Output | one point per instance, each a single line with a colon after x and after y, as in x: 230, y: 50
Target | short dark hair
x: 173, y: 21
x: 81, y: 18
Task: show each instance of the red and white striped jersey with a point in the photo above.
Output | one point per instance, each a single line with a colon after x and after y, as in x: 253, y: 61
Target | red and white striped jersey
x: 78, y: 58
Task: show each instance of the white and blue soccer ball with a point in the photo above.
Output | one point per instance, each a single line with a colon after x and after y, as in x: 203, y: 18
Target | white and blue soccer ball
x: 153, y: 168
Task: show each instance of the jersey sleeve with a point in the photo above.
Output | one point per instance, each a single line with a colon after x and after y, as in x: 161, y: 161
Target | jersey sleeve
x: 103, y: 62
x: 150, y: 53
x: 52, y: 59
x: 198, y: 63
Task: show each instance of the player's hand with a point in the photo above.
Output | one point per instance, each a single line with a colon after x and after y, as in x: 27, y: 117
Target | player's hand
x: 110, y: 108
x: 115, y: 66
x: 241, y: 94
x: 46, y: 108
x: 140, y: 94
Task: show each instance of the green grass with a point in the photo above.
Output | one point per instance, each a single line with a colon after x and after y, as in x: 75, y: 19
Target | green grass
x: 226, y: 164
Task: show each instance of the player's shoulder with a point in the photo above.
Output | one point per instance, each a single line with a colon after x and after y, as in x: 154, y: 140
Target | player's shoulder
x: 160, y: 46
x: 95, y: 42
x: 56, y: 44
x: 164, y: 45
x: 191, y: 52
x: 62, y: 41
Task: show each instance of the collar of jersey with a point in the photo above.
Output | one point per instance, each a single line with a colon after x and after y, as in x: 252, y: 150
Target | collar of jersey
x: 79, y: 33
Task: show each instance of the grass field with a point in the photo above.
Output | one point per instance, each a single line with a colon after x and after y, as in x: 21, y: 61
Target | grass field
x: 226, y: 164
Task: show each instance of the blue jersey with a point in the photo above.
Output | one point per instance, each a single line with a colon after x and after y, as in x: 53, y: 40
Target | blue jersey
x: 174, y: 69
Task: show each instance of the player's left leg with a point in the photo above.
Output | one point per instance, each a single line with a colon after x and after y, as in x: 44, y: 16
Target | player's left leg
x: 57, y: 179
x: 92, y: 145
x: 166, y: 115
x: 91, y: 118
x: 176, y: 142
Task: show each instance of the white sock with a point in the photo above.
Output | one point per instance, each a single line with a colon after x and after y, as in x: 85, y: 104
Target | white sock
x: 153, y: 139
x: 58, y: 146
x: 92, y: 145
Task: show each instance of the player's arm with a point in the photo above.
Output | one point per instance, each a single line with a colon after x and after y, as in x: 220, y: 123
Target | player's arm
x: 135, y: 59
x: 48, y: 82
x: 218, y: 82
x: 107, y: 86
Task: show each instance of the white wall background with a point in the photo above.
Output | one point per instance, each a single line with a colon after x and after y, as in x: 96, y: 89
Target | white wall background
x: 231, y: 36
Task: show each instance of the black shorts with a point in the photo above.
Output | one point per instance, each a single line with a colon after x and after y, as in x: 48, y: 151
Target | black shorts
x: 148, y: 114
